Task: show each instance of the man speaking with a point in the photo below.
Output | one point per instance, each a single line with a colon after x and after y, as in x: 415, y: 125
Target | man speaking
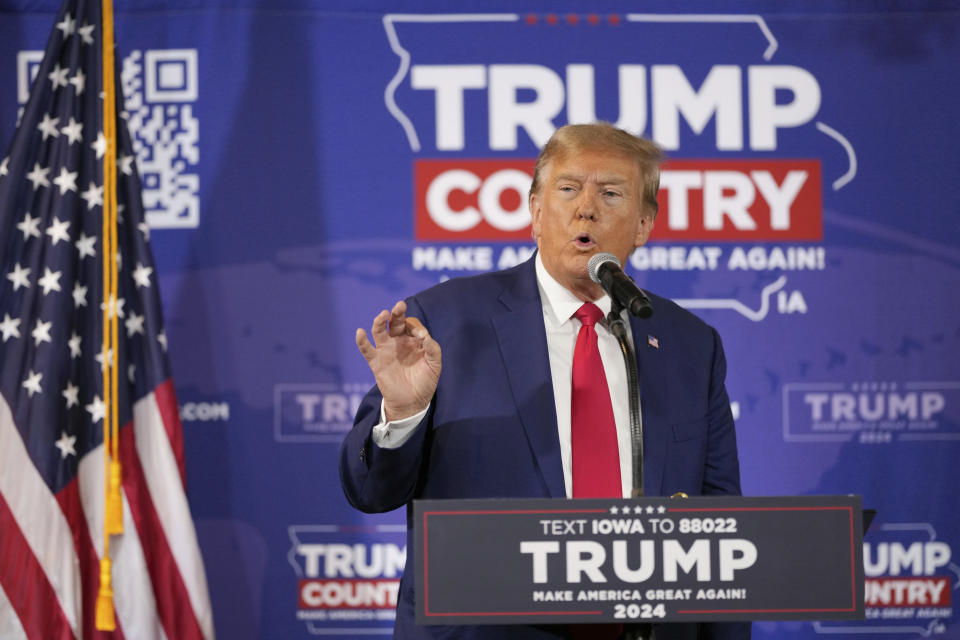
x: 511, y: 385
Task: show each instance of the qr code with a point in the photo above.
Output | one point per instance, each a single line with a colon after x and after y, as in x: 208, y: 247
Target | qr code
x: 160, y: 87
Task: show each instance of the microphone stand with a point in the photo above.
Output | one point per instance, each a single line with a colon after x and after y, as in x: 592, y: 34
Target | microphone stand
x: 618, y: 327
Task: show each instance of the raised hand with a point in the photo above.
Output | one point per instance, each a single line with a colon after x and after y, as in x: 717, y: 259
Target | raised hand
x: 405, y: 361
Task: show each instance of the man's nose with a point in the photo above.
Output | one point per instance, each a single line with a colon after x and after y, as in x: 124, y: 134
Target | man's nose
x: 588, y: 207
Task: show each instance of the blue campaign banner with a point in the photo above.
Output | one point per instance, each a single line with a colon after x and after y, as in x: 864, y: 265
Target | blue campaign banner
x: 306, y: 164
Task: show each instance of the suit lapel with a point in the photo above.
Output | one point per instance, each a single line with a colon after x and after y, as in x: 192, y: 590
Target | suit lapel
x: 523, y: 346
x: 653, y: 399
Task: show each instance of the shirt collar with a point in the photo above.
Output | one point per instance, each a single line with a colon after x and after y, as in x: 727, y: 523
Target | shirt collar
x: 560, y: 301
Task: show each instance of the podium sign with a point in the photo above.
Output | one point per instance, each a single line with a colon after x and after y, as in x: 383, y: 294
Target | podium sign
x: 656, y: 559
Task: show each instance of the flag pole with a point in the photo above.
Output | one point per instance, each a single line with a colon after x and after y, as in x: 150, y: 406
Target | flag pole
x: 113, y: 505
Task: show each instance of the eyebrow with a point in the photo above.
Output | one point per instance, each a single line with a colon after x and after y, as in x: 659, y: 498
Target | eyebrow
x: 617, y: 180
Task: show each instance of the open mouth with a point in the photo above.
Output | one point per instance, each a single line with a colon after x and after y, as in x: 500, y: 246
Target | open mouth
x: 584, y: 241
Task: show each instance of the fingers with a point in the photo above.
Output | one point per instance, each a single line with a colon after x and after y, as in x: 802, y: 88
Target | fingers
x: 379, y: 330
x: 413, y: 327
x: 398, y: 316
x: 363, y: 343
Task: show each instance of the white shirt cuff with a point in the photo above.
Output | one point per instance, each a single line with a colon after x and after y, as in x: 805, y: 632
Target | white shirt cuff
x: 393, y: 435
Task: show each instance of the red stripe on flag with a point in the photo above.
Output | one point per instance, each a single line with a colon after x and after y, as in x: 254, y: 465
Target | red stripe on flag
x: 69, y: 499
x: 29, y: 591
x: 173, y: 601
x: 170, y: 414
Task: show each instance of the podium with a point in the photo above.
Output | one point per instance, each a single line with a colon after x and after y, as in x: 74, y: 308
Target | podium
x: 543, y: 561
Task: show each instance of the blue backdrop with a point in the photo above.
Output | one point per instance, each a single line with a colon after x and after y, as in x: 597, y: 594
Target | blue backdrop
x: 306, y: 164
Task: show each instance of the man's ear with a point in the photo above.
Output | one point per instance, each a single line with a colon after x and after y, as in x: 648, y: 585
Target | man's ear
x: 644, y: 228
x: 536, y: 208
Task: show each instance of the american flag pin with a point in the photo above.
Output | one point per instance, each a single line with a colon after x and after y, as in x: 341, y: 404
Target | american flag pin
x: 653, y: 342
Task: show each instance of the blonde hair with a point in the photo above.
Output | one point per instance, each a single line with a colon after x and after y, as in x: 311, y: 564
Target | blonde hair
x: 604, y: 136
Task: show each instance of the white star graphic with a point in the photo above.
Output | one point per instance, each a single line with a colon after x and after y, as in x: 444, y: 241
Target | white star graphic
x: 650, y: 509
x: 58, y: 230
x: 661, y: 509
x: 41, y: 332
x: 638, y: 509
x: 73, y: 130
x: 100, y: 145
x: 79, y: 81
x: 32, y: 383
x: 58, y: 77
x: 71, y: 395
x: 93, y: 195
x: 145, y: 230
x: 85, y: 245
x: 162, y: 339
x: 79, y: 296
x: 50, y: 281
x: 19, y: 277
x: 141, y: 275
x: 10, y: 327
x: 68, y: 26
x: 49, y: 126
x: 30, y: 226
x: 86, y: 33
x: 112, y: 308
x: 74, y: 344
x: 125, y: 164
x: 65, y: 444
x: 39, y: 176
x: 131, y: 370
x: 97, y: 409
x: 3, y: 167
x: 614, y: 510
x: 134, y: 325
x: 67, y: 180
x: 104, y: 358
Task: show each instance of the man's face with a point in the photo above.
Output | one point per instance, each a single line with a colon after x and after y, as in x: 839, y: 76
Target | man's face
x: 590, y: 202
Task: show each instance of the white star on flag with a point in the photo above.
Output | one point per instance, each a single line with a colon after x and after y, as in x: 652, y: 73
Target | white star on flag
x: 49, y: 125
x: 39, y: 176
x: 141, y: 275
x: 67, y: 180
x: 100, y: 146
x: 70, y: 394
x: 10, y: 327
x: 3, y: 167
x: 145, y: 229
x: 97, y: 409
x: 113, y: 307
x: 50, y: 281
x: 85, y: 244
x: 79, y: 296
x: 134, y: 324
x: 104, y: 357
x: 32, y: 383
x: 58, y: 231
x: 65, y: 444
x: 79, y: 81
x: 125, y: 164
x: 130, y: 371
x: 73, y: 130
x: 86, y: 33
x: 67, y: 26
x: 58, y: 76
x: 93, y: 195
x: 41, y: 332
x: 19, y: 277
x: 74, y: 344
x: 30, y: 226
x: 162, y: 339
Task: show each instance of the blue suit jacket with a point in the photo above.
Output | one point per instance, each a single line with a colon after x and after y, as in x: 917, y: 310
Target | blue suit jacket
x: 491, y: 430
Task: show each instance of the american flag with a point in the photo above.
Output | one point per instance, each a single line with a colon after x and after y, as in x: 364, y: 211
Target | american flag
x: 52, y: 465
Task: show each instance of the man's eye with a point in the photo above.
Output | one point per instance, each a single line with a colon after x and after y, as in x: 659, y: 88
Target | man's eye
x: 611, y: 194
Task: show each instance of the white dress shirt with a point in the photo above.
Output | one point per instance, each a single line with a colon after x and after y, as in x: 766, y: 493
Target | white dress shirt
x: 559, y: 305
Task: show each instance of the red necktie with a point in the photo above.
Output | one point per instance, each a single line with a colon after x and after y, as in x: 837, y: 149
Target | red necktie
x: 593, y: 432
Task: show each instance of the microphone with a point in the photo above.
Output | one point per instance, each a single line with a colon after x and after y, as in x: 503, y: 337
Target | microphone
x: 604, y: 269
